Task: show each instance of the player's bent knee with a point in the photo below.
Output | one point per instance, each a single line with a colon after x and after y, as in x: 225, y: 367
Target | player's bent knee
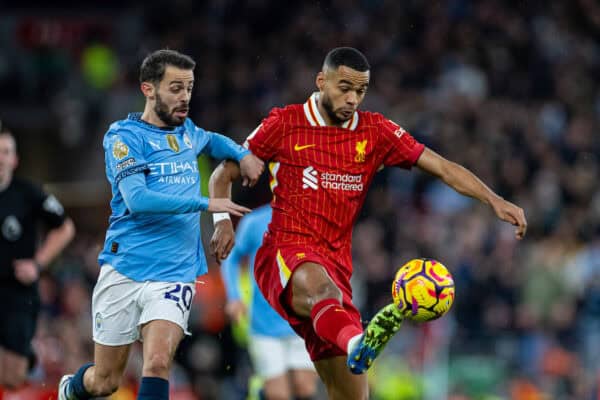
x: 157, y: 365
x: 325, y: 291
x: 329, y: 291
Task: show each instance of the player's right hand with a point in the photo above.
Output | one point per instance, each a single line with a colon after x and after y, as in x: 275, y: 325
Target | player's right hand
x: 226, y: 205
x: 511, y: 213
x: 251, y: 167
x: 222, y: 240
x: 235, y: 310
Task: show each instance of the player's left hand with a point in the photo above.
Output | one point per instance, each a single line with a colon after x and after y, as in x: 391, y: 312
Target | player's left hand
x: 251, y: 167
x: 222, y: 240
x: 26, y: 271
x: 507, y: 211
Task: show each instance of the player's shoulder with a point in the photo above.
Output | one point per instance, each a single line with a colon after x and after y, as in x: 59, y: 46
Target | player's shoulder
x: 190, y: 127
x: 286, y: 114
x: 127, y: 130
x: 372, y: 118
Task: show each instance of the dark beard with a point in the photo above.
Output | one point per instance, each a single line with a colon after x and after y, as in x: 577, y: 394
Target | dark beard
x: 162, y: 111
x: 326, y: 103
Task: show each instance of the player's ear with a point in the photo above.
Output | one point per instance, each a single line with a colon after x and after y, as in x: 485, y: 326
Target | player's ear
x: 148, y: 90
x: 320, y: 81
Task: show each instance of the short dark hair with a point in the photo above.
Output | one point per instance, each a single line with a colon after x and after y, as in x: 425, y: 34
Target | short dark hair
x: 154, y: 65
x: 348, y: 56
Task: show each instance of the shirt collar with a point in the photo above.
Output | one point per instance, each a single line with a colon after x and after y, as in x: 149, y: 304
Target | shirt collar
x: 314, y: 117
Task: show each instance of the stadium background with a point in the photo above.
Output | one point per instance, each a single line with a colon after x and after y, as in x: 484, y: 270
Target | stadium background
x: 510, y: 89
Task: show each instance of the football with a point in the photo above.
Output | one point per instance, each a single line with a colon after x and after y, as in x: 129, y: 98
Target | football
x: 423, y: 290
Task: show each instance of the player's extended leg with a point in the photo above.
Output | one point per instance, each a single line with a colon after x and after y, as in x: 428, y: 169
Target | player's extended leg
x: 13, y: 369
x: 102, y: 378
x: 161, y: 339
x: 340, y: 383
x: 316, y: 296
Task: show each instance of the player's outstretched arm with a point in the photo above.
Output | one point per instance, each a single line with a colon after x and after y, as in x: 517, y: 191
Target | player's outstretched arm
x: 141, y: 200
x: 465, y: 182
x: 219, y: 185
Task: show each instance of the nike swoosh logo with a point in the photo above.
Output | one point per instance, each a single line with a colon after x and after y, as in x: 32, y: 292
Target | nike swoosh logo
x: 297, y: 147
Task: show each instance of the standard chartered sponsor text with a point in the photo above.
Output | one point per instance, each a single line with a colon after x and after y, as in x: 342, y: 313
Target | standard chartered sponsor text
x: 344, y: 182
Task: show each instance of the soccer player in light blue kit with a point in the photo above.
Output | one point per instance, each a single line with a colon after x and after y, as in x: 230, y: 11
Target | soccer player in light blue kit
x: 153, y: 251
x: 274, y: 347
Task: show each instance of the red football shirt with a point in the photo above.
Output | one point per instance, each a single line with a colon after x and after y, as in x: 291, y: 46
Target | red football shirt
x: 320, y: 174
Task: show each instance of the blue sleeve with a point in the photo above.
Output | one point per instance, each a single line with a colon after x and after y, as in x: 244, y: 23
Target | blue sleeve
x: 221, y: 147
x: 124, y: 154
x: 139, y: 199
x: 214, y: 144
x: 230, y: 269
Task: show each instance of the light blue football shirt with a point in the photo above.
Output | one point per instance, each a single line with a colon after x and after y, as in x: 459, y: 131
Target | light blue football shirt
x: 264, y: 320
x: 149, y: 246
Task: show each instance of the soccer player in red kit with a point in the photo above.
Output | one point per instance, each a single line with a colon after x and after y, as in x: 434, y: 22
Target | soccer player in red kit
x: 322, y: 157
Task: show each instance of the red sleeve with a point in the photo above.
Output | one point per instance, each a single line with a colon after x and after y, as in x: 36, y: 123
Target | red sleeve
x: 266, y: 138
x: 401, y: 149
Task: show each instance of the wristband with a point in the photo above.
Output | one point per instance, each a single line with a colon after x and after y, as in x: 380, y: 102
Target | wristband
x: 217, y: 217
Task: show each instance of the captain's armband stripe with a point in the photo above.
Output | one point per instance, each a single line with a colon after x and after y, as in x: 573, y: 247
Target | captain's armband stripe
x: 131, y: 171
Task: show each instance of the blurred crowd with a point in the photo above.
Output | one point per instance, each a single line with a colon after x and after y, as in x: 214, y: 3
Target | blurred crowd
x: 509, y: 89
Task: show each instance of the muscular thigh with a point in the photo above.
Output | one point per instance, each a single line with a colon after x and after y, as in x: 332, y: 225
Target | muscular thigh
x: 288, y: 272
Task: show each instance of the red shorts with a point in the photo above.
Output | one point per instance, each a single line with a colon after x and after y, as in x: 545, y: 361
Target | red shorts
x: 273, y: 267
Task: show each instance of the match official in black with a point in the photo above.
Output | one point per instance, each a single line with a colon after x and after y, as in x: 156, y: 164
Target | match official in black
x: 23, y: 206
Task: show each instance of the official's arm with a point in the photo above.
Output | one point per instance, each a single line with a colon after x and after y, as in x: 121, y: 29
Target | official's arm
x: 55, y: 241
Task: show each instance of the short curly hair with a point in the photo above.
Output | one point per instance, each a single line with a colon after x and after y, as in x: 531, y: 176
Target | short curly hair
x: 154, y: 65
